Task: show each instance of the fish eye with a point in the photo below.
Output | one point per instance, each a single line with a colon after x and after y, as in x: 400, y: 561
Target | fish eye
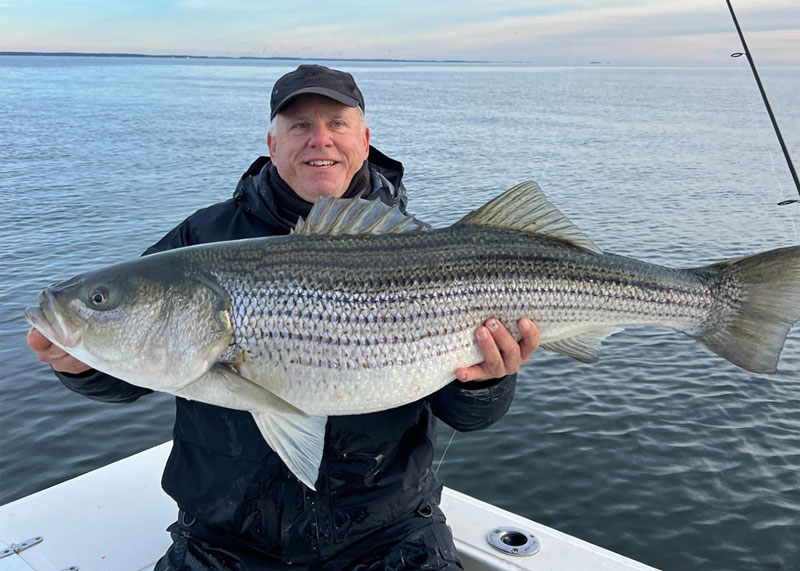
x: 98, y: 297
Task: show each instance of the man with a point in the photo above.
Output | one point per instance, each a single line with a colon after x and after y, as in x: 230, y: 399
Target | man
x: 376, y: 502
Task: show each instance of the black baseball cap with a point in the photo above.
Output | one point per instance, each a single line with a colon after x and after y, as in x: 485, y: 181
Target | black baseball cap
x: 318, y: 79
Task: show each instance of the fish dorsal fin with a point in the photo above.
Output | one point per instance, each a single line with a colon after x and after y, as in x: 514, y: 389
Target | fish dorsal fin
x: 336, y: 216
x: 525, y: 208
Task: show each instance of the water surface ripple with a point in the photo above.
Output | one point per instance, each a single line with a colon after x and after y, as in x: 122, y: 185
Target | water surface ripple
x: 661, y: 451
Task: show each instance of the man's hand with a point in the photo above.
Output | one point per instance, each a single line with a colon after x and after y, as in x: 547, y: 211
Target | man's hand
x: 502, y: 355
x: 53, y: 355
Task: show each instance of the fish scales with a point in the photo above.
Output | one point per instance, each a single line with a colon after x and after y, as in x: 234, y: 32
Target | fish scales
x: 350, y: 319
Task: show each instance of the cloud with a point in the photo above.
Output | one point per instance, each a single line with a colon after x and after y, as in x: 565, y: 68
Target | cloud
x: 549, y: 31
x: 222, y: 5
x: 621, y: 31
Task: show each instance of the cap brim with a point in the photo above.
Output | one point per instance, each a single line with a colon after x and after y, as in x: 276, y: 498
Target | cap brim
x: 324, y: 91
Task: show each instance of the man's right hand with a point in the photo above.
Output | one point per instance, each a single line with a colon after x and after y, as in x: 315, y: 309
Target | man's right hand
x: 53, y: 355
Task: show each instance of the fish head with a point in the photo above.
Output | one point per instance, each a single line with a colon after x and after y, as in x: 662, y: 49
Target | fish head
x: 149, y: 322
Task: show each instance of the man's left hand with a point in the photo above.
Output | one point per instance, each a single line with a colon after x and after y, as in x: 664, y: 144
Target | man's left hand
x: 502, y: 355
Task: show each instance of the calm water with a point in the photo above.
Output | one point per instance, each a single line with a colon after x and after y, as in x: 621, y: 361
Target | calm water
x: 661, y: 451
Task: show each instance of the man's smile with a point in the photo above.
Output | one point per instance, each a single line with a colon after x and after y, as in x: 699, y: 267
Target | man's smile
x: 321, y: 163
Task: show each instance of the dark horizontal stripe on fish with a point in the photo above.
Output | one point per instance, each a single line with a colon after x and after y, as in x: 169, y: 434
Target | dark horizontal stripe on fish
x: 642, y: 292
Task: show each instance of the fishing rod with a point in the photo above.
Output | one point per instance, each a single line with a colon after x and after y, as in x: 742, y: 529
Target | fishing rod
x: 766, y: 103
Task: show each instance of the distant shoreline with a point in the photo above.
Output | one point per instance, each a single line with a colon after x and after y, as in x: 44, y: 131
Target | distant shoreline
x: 590, y: 63
x: 276, y: 58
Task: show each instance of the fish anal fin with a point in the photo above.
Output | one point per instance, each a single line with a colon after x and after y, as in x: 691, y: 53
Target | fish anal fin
x: 525, y: 208
x: 338, y: 216
x: 298, y: 438
x: 584, y: 346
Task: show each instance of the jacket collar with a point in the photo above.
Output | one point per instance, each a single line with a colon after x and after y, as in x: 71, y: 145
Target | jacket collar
x: 386, y: 175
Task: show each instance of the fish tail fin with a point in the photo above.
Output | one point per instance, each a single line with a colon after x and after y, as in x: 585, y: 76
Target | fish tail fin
x: 764, y: 290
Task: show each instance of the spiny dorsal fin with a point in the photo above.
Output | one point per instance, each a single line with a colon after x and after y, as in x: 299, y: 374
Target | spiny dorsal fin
x: 524, y: 208
x: 336, y: 216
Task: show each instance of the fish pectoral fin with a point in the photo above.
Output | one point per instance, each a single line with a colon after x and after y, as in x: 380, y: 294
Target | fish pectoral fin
x: 525, y: 208
x: 298, y: 438
x: 582, y: 347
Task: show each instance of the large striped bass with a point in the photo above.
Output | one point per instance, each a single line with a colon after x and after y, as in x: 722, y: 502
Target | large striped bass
x: 362, y: 309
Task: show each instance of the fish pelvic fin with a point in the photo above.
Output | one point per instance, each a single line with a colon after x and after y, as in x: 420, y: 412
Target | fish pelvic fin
x: 298, y: 438
x: 337, y: 216
x: 765, y: 291
x: 582, y: 347
x: 525, y: 208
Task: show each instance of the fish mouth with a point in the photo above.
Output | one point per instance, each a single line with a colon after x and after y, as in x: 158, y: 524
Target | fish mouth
x: 49, y: 319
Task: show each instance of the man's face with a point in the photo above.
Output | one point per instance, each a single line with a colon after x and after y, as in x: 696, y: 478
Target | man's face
x: 318, y: 145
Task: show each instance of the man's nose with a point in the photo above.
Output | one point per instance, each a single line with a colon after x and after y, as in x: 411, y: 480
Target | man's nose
x: 320, y: 136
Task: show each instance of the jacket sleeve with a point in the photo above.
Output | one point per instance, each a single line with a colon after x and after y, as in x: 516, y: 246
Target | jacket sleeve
x: 100, y: 386
x: 473, y: 406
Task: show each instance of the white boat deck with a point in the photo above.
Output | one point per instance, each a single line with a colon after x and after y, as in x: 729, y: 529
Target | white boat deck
x: 115, y: 518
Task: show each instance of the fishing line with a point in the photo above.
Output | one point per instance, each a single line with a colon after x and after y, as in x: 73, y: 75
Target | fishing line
x: 566, y: 94
x: 564, y: 98
x: 446, y: 448
x: 745, y: 87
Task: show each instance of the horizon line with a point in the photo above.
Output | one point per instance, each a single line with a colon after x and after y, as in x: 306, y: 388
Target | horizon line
x: 266, y: 58
x: 590, y: 63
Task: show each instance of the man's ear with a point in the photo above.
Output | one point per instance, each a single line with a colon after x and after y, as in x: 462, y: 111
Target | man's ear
x: 270, y: 143
x: 366, y: 143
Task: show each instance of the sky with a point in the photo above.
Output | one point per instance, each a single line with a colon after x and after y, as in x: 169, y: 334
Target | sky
x: 546, y: 32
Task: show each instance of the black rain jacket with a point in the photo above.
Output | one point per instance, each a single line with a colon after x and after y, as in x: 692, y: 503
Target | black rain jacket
x: 235, y: 492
